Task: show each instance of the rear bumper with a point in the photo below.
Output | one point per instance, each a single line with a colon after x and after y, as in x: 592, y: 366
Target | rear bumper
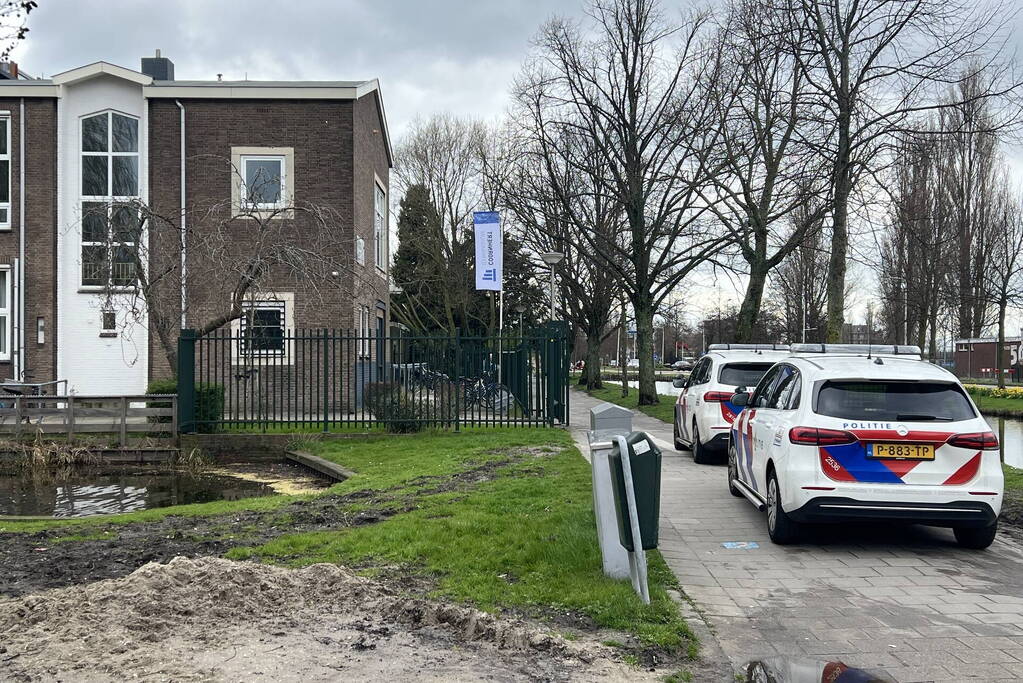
x: 718, y: 442
x: 969, y: 513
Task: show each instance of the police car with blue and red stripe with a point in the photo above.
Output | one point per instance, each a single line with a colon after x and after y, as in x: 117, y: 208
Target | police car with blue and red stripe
x: 703, y: 411
x: 850, y: 432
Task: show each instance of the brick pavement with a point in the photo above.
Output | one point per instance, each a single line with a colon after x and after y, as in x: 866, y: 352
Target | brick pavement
x: 903, y: 600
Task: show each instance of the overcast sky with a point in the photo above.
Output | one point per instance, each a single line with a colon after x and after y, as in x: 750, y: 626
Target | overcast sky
x: 430, y: 55
x: 437, y: 55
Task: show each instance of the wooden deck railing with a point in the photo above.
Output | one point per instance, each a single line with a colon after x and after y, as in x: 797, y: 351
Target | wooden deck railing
x: 70, y: 415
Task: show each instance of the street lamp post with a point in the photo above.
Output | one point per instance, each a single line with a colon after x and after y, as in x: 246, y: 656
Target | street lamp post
x: 552, y: 259
x: 520, y: 309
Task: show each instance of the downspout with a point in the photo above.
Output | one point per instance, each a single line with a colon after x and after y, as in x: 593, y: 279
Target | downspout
x: 21, y: 243
x: 184, y: 241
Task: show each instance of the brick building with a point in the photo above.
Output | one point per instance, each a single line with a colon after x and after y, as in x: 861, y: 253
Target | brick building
x: 100, y: 134
x: 978, y: 358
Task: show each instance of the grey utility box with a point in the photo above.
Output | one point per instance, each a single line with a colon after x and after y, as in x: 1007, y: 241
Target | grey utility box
x: 607, y: 417
x: 606, y: 422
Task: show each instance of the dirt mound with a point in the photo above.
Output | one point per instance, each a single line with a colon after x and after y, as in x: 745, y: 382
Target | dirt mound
x: 211, y: 619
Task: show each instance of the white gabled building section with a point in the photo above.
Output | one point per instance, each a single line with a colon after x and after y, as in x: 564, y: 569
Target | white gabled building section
x: 92, y: 359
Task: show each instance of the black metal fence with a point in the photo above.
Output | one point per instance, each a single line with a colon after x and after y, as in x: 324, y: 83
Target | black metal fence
x: 330, y: 380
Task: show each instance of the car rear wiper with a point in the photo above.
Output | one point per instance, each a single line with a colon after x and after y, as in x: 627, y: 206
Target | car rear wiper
x: 914, y: 417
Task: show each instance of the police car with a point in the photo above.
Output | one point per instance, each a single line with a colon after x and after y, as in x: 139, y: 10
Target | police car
x: 846, y: 432
x: 703, y: 410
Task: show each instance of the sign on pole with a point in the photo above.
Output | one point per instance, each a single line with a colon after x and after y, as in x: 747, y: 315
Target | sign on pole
x: 489, y: 251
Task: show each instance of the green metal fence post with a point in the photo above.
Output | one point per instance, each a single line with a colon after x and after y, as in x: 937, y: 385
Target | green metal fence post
x: 186, y: 381
x: 454, y: 378
x: 326, y: 385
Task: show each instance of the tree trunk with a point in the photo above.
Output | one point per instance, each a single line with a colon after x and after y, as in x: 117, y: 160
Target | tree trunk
x: 645, y: 352
x: 592, y: 369
x: 749, y: 312
x: 623, y: 351
x: 1000, y: 347
x: 836, y: 263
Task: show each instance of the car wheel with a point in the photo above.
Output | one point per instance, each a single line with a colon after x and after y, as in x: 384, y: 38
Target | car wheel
x: 976, y: 538
x: 780, y: 527
x: 733, y: 473
x: 701, y: 455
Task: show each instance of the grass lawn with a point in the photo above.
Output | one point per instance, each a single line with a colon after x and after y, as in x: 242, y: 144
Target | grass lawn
x: 1013, y: 480
x: 612, y: 393
x: 997, y: 405
x: 523, y: 539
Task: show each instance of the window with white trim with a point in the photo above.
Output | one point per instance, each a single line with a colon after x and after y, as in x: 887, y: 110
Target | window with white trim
x: 264, y: 181
x: 109, y: 185
x: 5, y: 172
x: 5, y: 314
x: 262, y: 328
x: 380, y: 226
x: 360, y: 251
x: 363, y: 333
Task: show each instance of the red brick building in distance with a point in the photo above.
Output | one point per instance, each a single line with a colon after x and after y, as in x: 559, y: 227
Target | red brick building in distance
x: 102, y: 134
x: 977, y: 358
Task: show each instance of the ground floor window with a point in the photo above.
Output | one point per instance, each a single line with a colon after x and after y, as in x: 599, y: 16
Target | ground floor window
x: 262, y: 327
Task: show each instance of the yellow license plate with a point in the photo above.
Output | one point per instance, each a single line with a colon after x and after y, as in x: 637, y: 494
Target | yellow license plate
x: 902, y: 451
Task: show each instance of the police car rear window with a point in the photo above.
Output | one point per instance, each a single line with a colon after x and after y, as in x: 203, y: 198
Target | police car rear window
x: 881, y: 400
x: 743, y: 374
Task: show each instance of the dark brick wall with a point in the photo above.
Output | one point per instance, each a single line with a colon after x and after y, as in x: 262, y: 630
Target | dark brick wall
x: 370, y: 162
x: 321, y: 134
x: 40, y: 229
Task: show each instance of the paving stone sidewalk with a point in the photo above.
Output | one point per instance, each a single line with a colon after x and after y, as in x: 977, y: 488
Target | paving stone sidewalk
x: 903, y: 600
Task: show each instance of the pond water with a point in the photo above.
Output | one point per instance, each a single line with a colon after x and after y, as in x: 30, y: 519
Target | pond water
x: 1009, y: 430
x: 84, y: 492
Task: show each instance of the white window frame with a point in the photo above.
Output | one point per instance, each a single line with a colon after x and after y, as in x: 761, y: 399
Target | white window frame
x: 362, y: 332
x: 6, y: 327
x: 264, y: 206
x: 109, y: 199
x: 380, y: 225
x: 6, y: 206
x: 238, y: 192
x: 284, y: 301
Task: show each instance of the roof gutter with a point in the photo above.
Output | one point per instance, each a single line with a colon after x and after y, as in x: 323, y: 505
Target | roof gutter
x: 184, y: 217
x: 20, y: 372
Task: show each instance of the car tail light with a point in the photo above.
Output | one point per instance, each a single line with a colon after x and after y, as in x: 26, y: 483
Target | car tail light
x: 981, y: 441
x: 717, y: 396
x: 812, y: 436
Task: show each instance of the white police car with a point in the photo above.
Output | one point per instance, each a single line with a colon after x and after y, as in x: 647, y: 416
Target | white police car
x: 703, y: 411
x: 848, y: 432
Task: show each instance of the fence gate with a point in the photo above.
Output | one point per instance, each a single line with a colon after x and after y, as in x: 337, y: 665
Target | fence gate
x: 332, y: 380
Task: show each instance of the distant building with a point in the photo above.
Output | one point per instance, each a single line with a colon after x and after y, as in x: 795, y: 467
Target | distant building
x: 978, y: 357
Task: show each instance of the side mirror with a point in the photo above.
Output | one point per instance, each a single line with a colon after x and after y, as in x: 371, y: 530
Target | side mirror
x: 678, y: 382
x: 740, y: 399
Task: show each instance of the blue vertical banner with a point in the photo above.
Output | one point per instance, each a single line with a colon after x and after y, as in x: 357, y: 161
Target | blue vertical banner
x: 489, y: 250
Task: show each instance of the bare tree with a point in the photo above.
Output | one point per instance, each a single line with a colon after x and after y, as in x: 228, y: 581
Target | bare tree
x: 769, y: 170
x: 236, y: 251
x: 873, y: 65
x: 798, y: 284
x: 13, y: 23
x: 632, y: 84
x: 1004, y: 275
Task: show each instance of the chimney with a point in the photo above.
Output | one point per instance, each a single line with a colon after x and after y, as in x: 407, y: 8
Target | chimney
x: 160, y: 68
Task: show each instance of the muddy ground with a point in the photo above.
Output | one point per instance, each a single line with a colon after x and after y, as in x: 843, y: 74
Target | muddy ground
x: 155, y: 601
x: 214, y: 619
x: 34, y: 562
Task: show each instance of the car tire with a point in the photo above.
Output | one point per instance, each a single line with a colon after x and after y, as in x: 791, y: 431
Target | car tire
x: 780, y: 527
x: 701, y: 454
x: 975, y: 538
x: 733, y: 473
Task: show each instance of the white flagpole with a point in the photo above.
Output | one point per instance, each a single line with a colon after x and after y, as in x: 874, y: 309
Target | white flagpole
x: 500, y: 318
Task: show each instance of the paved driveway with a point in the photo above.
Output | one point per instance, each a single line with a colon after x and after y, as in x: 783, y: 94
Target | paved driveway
x: 906, y: 601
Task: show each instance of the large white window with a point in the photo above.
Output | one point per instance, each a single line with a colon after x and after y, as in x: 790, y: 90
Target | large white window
x: 264, y: 181
x: 380, y: 226
x: 5, y: 172
x: 110, y: 183
x: 5, y: 314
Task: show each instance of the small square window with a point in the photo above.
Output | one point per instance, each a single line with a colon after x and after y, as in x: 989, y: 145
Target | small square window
x: 262, y: 328
x: 109, y: 321
x: 264, y: 182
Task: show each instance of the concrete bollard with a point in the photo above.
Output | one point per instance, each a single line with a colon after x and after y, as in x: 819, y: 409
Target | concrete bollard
x: 606, y: 422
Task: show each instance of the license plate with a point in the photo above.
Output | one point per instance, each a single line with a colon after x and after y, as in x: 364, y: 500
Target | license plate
x: 902, y: 451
